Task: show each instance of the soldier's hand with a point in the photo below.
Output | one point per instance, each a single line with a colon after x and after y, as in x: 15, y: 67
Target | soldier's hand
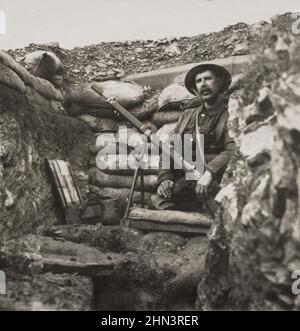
x: 203, y: 183
x: 165, y: 189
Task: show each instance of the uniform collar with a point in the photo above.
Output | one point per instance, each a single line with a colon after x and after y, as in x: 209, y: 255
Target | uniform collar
x: 217, y: 109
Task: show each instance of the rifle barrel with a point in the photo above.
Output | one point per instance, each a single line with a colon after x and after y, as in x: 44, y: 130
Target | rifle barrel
x: 166, y: 149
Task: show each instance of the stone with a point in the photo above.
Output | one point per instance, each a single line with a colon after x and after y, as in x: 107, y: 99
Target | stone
x: 34, y: 254
x: 257, y: 142
x: 161, y: 242
x: 78, y: 233
x: 255, y: 211
x: 48, y: 291
x: 240, y: 49
x: 10, y: 199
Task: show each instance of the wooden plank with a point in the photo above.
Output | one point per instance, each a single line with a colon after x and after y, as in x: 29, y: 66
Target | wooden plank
x: 154, y: 226
x: 161, y: 78
x: 76, y: 186
x: 57, y: 183
x: 168, y: 220
x: 68, y: 264
x: 65, y: 256
x: 65, y: 171
x: 62, y: 183
x: 170, y: 217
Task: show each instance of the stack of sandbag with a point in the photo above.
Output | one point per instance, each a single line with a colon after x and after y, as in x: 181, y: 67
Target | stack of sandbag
x: 89, y: 106
x: 170, y: 104
x: 114, y: 158
x: 15, y: 76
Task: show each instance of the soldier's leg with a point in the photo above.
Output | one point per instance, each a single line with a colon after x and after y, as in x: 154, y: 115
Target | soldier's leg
x: 184, y: 198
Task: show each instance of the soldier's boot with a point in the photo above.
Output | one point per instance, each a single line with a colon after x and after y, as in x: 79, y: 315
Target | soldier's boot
x: 159, y: 203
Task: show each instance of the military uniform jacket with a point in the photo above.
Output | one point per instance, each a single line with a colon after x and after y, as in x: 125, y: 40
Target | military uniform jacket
x: 218, y: 145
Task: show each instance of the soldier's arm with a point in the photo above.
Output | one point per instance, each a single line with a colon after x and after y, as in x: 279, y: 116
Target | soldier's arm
x: 221, y: 161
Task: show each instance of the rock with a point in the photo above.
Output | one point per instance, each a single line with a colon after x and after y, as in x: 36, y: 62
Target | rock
x: 290, y: 118
x: 255, y: 210
x: 172, y: 50
x: 34, y: 254
x: 120, y: 74
x: 78, y: 233
x: 157, y: 54
x: 240, y: 49
x: 257, y: 142
x: 47, y: 292
x: 10, y: 199
x: 229, y: 197
x: 259, y: 227
x: 161, y: 242
x: 195, y: 247
x: 99, y: 124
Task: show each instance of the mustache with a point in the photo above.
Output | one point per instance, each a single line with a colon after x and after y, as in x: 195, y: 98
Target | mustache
x: 205, y: 89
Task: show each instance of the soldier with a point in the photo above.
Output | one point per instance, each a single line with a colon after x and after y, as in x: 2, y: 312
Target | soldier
x: 208, y: 117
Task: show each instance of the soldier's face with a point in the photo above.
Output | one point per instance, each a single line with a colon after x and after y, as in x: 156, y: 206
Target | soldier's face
x: 208, y: 85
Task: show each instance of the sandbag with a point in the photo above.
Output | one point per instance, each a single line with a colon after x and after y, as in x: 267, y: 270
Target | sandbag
x: 124, y: 136
x: 161, y: 118
x: 119, y: 148
x: 172, y: 94
x: 147, y: 109
x: 111, y: 149
x: 17, y: 68
x: 99, y: 124
x: 121, y: 194
x: 10, y: 79
x: 105, y: 138
x: 74, y: 109
x: 43, y: 64
x: 179, y: 80
x: 111, y: 164
x: 101, y: 179
x: 16, y: 76
x: 131, y: 137
x: 46, y: 89
x: 129, y: 95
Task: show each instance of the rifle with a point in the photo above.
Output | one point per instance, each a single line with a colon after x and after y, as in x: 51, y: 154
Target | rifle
x: 166, y: 149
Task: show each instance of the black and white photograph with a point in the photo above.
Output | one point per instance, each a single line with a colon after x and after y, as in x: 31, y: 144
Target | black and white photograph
x: 149, y: 158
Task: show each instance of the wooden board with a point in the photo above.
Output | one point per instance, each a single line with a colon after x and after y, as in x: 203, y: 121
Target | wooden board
x: 59, y: 256
x: 168, y: 220
x: 64, y: 182
x: 69, y: 264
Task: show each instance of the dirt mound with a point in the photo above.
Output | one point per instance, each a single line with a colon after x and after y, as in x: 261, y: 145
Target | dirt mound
x: 115, y: 60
